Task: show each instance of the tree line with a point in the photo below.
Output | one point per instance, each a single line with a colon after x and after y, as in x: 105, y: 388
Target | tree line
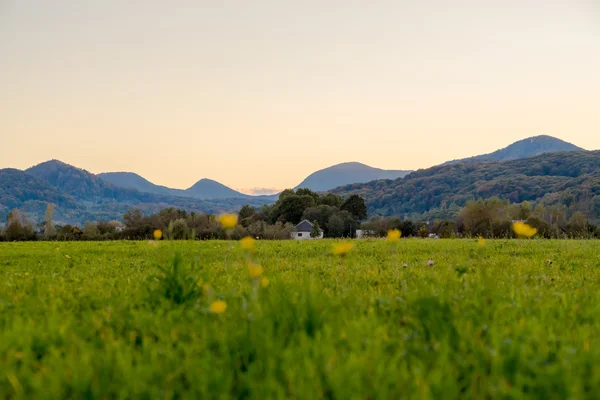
x: 335, y: 216
x: 493, y: 218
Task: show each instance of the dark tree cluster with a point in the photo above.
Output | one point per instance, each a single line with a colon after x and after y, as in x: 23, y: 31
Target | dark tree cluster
x: 335, y: 216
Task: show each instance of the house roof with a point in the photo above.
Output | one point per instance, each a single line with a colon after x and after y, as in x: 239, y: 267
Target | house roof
x: 304, y: 226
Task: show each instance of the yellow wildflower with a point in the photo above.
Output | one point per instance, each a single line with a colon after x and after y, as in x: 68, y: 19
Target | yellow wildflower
x: 254, y: 270
x: 247, y: 243
x: 218, y: 307
x: 524, y: 230
x: 157, y: 234
x: 394, y: 235
x: 341, y: 249
x: 264, y: 282
x: 228, y: 221
x: 480, y: 241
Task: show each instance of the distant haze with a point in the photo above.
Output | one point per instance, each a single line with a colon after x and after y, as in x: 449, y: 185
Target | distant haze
x: 263, y: 93
x: 259, y: 191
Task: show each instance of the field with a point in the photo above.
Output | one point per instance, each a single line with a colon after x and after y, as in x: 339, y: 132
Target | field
x: 412, y: 319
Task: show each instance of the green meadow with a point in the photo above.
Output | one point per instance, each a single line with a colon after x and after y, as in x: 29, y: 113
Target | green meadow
x: 412, y: 319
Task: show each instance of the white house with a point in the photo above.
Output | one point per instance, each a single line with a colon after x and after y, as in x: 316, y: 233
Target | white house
x: 303, y: 229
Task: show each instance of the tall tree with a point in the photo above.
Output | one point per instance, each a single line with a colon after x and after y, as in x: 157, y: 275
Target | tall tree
x: 49, y: 219
x: 246, y: 215
x: 332, y: 200
x: 246, y: 211
x: 525, y: 211
x: 308, y: 192
x: 577, y: 225
x: 17, y: 228
x: 133, y: 218
x: 342, y: 224
x: 286, y: 193
x: 14, y: 217
x: 292, y: 207
x: 315, y: 231
x: 90, y: 230
x: 321, y: 214
x: 539, y: 211
x: 557, y: 214
x: 356, y: 206
x: 336, y: 226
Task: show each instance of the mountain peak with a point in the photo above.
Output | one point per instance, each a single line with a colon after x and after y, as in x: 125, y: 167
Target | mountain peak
x: 206, y: 181
x: 131, y: 180
x: 346, y: 173
x: 203, y: 189
x: 350, y: 164
x: 525, y: 148
x: 53, y: 163
x: 208, y: 188
x: 546, y: 140
x: 72, y: 180
x: 53, y: 168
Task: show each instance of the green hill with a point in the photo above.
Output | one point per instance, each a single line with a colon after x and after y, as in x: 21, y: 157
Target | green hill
x: 31, y: 195
x: 570, y: 178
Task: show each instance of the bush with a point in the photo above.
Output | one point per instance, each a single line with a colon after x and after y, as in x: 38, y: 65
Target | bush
x: 179, y: 229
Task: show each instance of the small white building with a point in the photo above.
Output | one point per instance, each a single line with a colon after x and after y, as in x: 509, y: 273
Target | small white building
x: 363, y: 234
x: 303, y: 229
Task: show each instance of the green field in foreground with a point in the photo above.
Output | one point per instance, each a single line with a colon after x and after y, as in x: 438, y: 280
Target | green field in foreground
x: 100, y: 320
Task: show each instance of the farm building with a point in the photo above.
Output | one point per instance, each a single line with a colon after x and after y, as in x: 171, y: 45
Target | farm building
x: 303, y: 229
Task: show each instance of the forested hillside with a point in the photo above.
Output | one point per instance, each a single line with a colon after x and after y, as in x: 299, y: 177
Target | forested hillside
x: 80, y: 196
x: 570, y: 178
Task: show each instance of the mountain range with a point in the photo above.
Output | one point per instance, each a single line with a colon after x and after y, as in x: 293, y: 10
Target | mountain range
x: 336, y: 175
x: 203, y: 189
x: 320, y: 181
x: 81, y: 195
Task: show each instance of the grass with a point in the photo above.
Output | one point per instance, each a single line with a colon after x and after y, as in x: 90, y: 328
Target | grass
x: 514, y: 319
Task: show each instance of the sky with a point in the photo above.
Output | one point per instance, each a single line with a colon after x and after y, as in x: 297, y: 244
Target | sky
x: 263, y: 93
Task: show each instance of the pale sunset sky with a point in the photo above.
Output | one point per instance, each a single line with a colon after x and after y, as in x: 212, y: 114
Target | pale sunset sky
x: 262, y: 93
